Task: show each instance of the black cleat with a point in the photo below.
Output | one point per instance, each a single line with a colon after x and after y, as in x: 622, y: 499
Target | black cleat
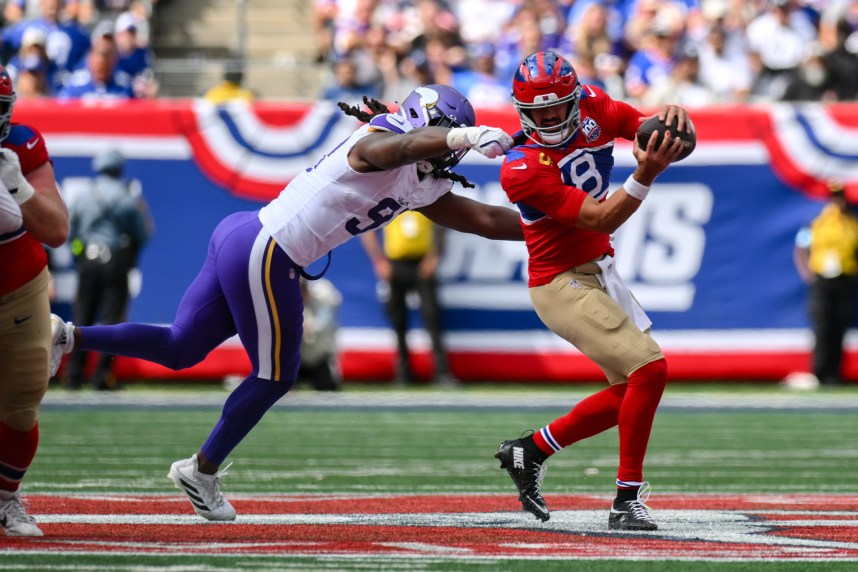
x: 632, y: 514
x: 527, y: 469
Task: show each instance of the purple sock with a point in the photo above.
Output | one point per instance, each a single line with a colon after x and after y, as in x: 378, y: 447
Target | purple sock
x: 242, y: 411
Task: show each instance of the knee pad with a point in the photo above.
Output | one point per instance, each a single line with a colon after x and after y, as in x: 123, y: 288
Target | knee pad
x: 21, y: 419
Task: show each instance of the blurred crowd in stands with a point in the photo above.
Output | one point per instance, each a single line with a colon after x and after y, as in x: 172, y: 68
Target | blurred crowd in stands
x: 79, y: 49
x: 649, y: 52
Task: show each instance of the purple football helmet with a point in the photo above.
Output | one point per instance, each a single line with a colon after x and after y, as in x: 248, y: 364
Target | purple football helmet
x: 439, y: 106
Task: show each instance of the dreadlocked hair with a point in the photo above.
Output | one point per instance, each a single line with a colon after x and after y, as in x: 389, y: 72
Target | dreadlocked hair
x: 378, y: 108
x: 442, y: 174
x: 375, y: 106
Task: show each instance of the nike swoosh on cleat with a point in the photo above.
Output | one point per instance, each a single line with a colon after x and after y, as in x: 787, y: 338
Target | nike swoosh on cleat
x: 22, y: 320
x: 536, y: 506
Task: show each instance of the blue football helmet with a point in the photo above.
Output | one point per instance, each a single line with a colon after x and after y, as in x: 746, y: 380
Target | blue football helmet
x: 439, y: 106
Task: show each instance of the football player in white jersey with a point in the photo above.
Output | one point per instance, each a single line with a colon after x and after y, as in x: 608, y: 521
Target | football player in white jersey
x: 249, y: 283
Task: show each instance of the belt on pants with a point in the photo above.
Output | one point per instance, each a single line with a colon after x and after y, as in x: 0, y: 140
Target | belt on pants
x: 588, y: 267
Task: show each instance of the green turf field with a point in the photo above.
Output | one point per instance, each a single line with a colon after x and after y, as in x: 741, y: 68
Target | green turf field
x: 364, y: 441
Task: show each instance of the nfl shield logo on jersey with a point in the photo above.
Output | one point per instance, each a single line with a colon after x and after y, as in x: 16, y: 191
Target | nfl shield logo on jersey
x: 590, y: 129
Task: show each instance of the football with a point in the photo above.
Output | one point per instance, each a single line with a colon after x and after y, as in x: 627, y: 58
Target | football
x: 689, y: 140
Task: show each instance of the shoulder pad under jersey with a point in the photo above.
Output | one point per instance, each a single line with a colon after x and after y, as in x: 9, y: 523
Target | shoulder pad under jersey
x: 392, y: 122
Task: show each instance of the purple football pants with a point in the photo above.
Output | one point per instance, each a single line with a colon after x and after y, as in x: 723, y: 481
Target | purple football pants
x: 247, y: 285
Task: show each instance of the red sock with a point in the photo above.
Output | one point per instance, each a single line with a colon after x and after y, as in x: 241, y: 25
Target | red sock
x: 637, y: 412
x: 591, y: 416
x: 17, y: 449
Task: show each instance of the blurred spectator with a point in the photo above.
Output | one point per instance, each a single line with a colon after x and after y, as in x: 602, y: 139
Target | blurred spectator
x: 609, y: 70
x: 404, y: 76
x: 586, y: 70
x: 588, y: 37
x: 14, y: 11
x: 482, y: 20
x: 727, y: 74
x: 622, y: 46
x: 230, y: 88
x: 344, y: 85
x: 367, y: 59
x: 81, y: 12
x: 440, y: 59
x: 577, y: 13
x: 351, y: 26
x: 681, y: 86
x: 324, y: 16
x: 810, y: 81
x: 435, y: 42
x: 34, y: 57
x: 640, y: 23
x: 65, y: 44
x: 32, y: 78
x: 141, y: 12
x: 521, y: 37
x: 134, y: 59
x: 837, y: 17
x: 654, y: 61
x: 99, y: 78
x: 478, y: 82
x: 322, y: 302
x: 552, y: 22
x: 778, y: 40
x: 111, y: 8
x: 842, y: 62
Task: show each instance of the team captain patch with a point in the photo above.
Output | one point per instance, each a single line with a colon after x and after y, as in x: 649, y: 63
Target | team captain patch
x: 590, y: 129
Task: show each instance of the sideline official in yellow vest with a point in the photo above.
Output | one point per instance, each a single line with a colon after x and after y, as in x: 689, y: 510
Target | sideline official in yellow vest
x: 407, y: 263
x: 826, y: 256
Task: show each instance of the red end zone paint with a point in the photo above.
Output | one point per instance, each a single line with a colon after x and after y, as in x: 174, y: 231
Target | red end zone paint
x: 707, y: 527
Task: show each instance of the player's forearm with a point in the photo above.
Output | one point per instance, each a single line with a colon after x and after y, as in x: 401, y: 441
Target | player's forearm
x: 609, y: 215
x: 504, y: 224
x: 418, y: 144
x: 46, y: 219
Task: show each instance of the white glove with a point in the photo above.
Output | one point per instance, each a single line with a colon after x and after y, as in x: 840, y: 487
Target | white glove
x: 12, y: 177
x: 489, y: 141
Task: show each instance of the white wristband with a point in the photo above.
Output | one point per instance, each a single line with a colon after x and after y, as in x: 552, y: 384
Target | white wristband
x: 457, y: 138
x: 635, y: 189
x: 24, y: 193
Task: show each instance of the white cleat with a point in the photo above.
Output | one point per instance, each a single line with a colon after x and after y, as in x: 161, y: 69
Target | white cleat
x: 14, y: 519
x: 202, y: 490
x: 62, y: 341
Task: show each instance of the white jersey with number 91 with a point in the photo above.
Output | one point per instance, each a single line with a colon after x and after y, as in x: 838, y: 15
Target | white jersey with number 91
x: 330, y: 202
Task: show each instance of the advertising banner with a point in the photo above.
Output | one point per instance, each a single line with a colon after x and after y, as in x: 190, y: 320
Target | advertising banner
x: 708, y: 255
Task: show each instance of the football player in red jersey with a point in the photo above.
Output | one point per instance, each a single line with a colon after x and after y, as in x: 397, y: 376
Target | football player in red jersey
x: 558, y: 177
x: 27, y: 174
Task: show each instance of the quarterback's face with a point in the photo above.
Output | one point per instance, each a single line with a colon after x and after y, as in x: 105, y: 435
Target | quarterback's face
x: 550, y: 116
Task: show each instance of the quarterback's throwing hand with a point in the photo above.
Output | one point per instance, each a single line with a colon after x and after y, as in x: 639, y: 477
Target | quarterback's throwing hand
x: 489, y: 141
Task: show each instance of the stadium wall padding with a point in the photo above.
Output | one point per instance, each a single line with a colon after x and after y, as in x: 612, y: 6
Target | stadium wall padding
x: 709, y: 254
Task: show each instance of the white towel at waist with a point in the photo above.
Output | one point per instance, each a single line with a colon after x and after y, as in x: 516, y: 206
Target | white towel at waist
x: 611, y: 281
